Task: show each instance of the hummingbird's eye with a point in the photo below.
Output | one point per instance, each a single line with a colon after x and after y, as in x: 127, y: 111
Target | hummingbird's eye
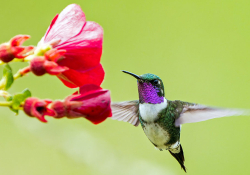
x: 156, y: 82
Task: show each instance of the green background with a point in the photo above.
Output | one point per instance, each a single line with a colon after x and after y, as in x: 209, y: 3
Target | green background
x: 200, y: 49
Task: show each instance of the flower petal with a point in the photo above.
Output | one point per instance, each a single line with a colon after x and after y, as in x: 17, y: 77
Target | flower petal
x: 100, y: 118
x: 88, y: 88
x: 18, y: 40
x: 52, y: 68
x: 73, y: 79
x: 66, y: 25
x: 96, y: 106
x: 84, y: 50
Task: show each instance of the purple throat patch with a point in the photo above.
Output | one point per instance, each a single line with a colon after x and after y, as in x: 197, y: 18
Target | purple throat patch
x: 149, y: 94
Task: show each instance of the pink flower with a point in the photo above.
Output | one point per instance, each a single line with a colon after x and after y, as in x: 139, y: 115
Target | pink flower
x: 93, y: 103
x: 82, y: 41
x: 34, y: 107
x: 14, y: 49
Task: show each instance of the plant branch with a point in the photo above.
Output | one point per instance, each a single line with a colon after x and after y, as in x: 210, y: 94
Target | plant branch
x: 21, y: 72
x: 6, y: 103
x: 14, y: 60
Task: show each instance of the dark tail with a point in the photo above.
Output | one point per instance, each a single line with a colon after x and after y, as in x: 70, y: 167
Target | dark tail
x: 179, y: 157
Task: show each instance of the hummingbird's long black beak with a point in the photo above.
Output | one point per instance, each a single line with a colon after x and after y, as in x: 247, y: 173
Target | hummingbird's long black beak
x: 134, y: 75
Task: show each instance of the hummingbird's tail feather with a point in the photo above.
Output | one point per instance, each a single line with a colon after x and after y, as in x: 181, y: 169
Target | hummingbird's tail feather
x: 179, y: 156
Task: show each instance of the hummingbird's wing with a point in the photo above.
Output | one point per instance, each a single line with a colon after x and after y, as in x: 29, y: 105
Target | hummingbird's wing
x: 197, y: 113
x: 127, y: 111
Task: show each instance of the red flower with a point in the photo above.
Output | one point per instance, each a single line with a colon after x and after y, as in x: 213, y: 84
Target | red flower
x: 82, y: 41
x: 14, y: 49
x: 34, y: 107
x: 93, y: 103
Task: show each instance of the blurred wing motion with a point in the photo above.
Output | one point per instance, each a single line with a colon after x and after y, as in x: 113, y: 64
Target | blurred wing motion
x: 127, y: 111
x: 198, y: 113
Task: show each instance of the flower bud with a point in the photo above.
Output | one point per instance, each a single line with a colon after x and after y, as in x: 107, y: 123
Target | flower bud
x: 37, y: 65
x: 59, y: 108
x: 34, y: 107
x: 13, y: 49
x: 40, y: 65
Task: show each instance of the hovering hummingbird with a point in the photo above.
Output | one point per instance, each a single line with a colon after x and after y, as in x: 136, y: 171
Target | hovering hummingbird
x: 160, y: 118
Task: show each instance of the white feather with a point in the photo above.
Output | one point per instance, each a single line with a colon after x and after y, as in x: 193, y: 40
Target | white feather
x: 200, y: 113
x: 126, y: 111
x: 149, y: 111
x: 157, y: 135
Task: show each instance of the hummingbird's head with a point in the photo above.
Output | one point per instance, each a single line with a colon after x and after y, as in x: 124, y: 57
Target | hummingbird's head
x: 150, y: 88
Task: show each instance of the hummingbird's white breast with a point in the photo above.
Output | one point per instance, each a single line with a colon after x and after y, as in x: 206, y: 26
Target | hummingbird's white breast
x: 149, y: 112
x: 154, y: 132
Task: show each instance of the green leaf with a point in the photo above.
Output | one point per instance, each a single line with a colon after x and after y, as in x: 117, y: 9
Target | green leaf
x: 7, y: 79
x: 26, y: 92
x: 10, y: 98
x: 14, y: 110
x: 19, y: 98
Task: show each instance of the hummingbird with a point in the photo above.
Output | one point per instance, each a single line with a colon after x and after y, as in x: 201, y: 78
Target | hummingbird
x: 160, y: 118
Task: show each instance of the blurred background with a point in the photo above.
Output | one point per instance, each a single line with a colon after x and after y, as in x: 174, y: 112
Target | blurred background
x: 200, y: 49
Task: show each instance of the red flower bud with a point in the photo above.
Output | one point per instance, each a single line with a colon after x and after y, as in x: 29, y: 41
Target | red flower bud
x: 37, y: 65
x: 93, y: 103
x: 59, y: 108
x: 34, y: 107
x: 40, y: 65
x: 13, y: 49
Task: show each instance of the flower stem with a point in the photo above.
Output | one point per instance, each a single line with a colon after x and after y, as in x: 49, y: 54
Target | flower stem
x: 5, y: 103
x: 21, y: 72
x: 14, y: 60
